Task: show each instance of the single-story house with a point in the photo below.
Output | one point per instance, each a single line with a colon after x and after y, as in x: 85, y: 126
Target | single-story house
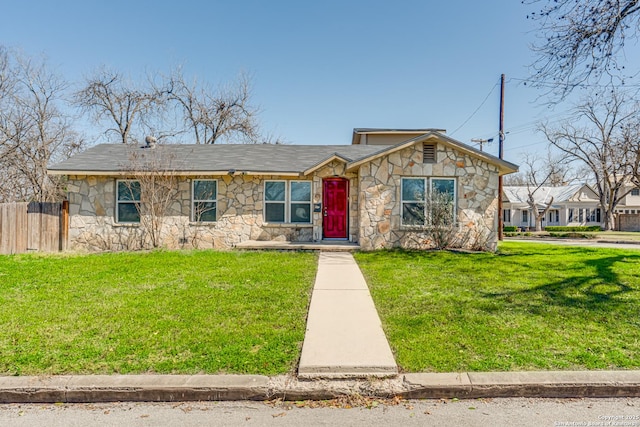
x: 373, y: 192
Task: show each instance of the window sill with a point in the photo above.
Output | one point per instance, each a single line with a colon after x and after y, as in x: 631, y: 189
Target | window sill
x: 126, y: 224
x: 423, y: 227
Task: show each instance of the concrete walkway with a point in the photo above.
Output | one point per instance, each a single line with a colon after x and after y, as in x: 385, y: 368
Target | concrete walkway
x: 344, y: 337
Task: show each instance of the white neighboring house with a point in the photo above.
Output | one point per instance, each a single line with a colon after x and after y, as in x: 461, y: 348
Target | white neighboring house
x: 628, y: 211
x: 630, y: 204
x: 573, y: 205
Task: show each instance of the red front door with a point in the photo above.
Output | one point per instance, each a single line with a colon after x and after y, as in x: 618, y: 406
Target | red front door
x: 335, y: 210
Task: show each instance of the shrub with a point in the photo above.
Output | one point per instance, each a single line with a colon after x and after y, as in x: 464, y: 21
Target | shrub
x: 572, y: 235
x: 509, y: 228
x: 573, y: 229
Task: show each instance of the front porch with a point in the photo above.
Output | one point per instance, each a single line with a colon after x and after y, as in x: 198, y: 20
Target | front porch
x: 324, y: 245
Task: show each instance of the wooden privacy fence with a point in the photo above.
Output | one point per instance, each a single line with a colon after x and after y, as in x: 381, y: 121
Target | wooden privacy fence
x: 33, y: 226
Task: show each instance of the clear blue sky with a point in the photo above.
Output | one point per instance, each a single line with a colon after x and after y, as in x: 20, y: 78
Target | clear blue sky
x: 320, y: 68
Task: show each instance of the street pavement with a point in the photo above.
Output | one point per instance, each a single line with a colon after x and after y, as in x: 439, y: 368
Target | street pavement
x: 443, y: 412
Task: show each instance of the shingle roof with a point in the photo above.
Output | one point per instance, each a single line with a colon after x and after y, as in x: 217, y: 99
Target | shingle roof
x: 260, y: 158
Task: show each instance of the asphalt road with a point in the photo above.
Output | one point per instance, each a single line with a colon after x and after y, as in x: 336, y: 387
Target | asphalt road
x: 480, y: 412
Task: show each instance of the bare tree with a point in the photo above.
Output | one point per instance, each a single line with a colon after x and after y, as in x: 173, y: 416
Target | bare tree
x: 111, y: 98
x: 632, y: 139
x: 33, y: 129
x: 213, y: 116
x: 541, y: 172
x: 582, y: 41
x: 599, y: 138
x: 154, y: 185
x: 443, y: 226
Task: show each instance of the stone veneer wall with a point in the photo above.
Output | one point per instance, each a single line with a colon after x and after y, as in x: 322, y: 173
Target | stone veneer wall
x: 380, y: 204
x: 374, y: 207
x: 239, y: 215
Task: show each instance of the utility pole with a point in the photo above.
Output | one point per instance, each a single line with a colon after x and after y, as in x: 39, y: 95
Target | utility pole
x: 500, y: 154
x: 482, y: 141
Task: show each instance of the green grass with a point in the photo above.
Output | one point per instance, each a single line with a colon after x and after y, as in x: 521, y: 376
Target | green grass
x: 155, y: 312
x: 529, y: 307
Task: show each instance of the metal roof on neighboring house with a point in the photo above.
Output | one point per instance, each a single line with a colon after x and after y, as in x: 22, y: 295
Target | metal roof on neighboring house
x: 518, y: 195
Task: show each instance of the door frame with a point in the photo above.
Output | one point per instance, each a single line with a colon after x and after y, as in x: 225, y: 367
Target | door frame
x: 324, y: 207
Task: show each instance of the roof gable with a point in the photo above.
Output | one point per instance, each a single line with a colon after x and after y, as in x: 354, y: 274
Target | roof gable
x: 503, y: 166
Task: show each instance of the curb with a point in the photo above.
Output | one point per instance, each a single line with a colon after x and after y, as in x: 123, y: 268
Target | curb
x: 180, y: 388
x: 549, y: 384
x: 132, y: 388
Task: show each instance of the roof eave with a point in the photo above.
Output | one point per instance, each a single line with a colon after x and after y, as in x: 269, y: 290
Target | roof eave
x: 174, y: 173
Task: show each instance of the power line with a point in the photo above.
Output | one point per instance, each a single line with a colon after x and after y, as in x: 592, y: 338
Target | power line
x: 476, y: 110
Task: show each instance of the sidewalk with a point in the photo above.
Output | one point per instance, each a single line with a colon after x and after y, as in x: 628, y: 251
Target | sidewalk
x: 344, y: 337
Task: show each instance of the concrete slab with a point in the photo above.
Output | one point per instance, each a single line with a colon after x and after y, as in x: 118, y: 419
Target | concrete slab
x: 438, y: 379
x: 339, y: 272
x: 344, y: 337
x: 334, y: 246
x: 430, y: 385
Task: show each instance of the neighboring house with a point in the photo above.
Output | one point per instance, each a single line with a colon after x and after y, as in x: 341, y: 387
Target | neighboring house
x: 628, y: 210
x: 630, y: 203
x: 573, y: 205
x: 370, y: 192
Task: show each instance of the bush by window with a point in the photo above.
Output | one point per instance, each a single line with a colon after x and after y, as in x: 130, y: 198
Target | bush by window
x: 428, y: 201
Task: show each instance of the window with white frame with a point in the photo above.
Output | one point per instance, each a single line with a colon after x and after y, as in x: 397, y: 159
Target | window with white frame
x: 635, y: 192
x: 287, y: 201
x: 506, y: 215
x: 554, y: 216
x: 428, y: 200
x: 300, y: 198
x: 525, y: 217
x: 204, y: 200
x: 127, y: 201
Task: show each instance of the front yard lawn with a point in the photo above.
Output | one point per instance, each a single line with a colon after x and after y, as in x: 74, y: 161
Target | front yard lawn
x: 529, y: 307
x: 155, y: 312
